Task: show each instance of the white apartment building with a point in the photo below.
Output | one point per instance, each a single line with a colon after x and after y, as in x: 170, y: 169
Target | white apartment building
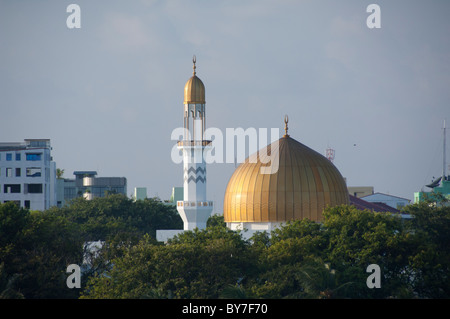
x: 28, y: 174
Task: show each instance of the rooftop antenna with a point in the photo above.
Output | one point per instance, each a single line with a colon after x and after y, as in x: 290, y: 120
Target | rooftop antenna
x: 330, y: 154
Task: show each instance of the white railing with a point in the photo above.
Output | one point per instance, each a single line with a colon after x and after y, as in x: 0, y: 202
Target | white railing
x: 192, y: 204
x: 193, y: 143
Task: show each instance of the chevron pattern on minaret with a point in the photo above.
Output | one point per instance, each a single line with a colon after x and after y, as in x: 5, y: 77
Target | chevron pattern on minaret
x: 193, y: 170
x: 195, y: 180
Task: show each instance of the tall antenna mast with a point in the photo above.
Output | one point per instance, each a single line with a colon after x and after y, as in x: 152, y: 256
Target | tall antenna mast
x: 330, y: 154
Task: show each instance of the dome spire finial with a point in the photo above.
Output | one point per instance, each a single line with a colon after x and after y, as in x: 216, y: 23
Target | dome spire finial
x: 286, y: 120
x: 194, y: 60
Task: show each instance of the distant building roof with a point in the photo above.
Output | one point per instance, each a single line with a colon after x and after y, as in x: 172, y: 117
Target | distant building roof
x: 376, y: 207
x: 26, y: 144
x: 85, y: 173
x: 386, y: 195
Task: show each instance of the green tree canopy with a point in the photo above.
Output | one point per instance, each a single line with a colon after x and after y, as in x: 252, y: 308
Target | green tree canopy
x: 301, y: 259
x: 103, y: 218
x: 194, y: 264
x: 35, y: 250
x: 429, y: 230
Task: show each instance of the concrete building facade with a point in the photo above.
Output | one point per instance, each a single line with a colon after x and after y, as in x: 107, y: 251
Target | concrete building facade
x: 140, y: 193
x: 28, y: 174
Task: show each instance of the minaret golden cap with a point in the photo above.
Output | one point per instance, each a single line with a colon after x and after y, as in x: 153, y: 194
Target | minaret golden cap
x: 194, y: 90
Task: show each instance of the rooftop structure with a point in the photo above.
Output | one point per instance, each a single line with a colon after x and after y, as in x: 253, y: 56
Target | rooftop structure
x: 140, y: 193
x: 360, y: 191
x: 86, y: 184
x: 441, y: 185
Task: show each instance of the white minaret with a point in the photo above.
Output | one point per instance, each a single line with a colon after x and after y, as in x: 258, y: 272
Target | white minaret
x: 195, y: 209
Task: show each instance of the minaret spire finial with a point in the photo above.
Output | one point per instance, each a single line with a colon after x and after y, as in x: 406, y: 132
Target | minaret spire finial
x: 286, y: 120
x: 194, y: 60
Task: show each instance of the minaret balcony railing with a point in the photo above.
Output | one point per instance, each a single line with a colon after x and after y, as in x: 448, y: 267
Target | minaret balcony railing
x: 194, y: 143
x: 193, y: 204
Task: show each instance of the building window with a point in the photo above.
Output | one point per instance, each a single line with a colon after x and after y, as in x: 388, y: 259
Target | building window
x: 8, y: 172
x: 11, y: 188
x: 34, y: 188
x: 27, y: 204
x: 33, y: 171
x: 18, y: 156
x: 8, y: 156
x: 69, y: 192
x: 18, y: 171
x: 34, y: 156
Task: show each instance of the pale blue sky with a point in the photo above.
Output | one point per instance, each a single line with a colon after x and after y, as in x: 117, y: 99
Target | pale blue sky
x: 108, y: 95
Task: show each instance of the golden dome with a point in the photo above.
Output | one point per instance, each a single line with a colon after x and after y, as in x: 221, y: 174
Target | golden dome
x: 194, y: 90
x: 306, y: 182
